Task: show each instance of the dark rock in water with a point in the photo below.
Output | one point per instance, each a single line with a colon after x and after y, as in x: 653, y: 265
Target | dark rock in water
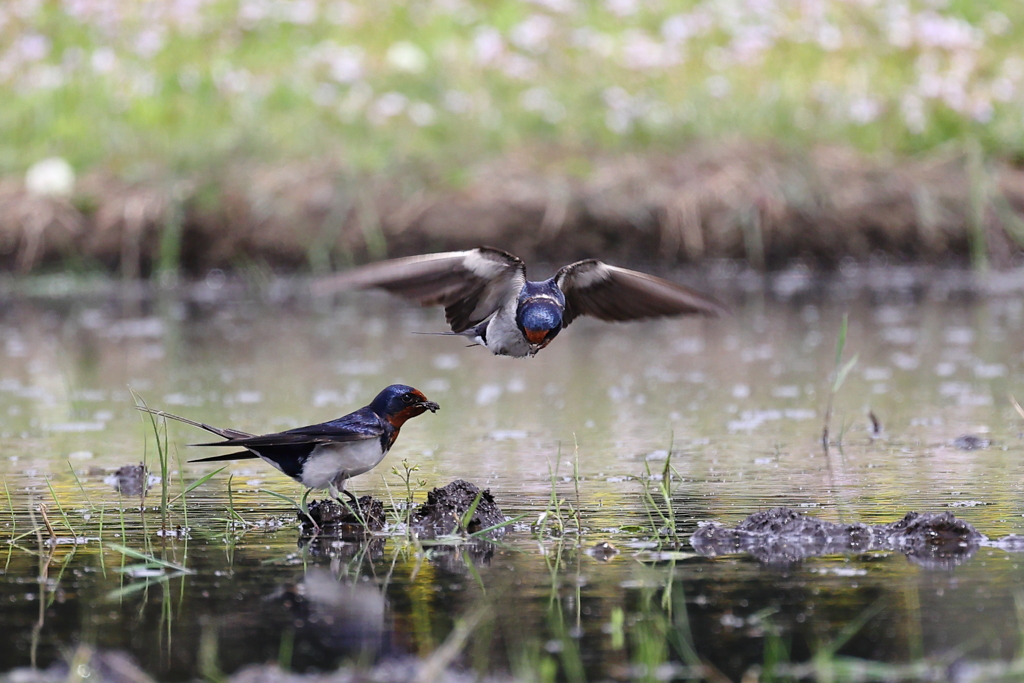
x: 446, y: 507
x: 330, y: 518
x: 933, y: 540
x: 603, y: 551
x: 971, y: 442
x: 783, y: 536
x: 130, y: 480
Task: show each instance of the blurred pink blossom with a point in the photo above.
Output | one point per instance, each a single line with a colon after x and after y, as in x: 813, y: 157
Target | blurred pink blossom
x: 935, y: 30
x: 386, y: 106
x: 718, y: 86
x: 533, y: 33
x: 488, y: 45
x: 149, y: 42
x: 913, y: 110
x: 640, y: 51
x: 539, y: 100
x: 622, y: 8
x: 103, y: 60
x: 342, y: 13
x: 596, y: 42
x: 865, y: 110
x: 560, y: 6
x: 32, y: 47
x: 422, y: 114
x: 519, y: 67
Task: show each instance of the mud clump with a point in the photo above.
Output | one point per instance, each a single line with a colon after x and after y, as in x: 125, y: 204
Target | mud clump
x: 971, y: 442
x: 130, y: 480
x: 443, y: 513
x: 331, y: 518
x: 783, y: 536
x: 446, y: 508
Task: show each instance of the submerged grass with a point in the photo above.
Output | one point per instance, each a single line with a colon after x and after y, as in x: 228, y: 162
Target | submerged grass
x: 163, y: 457
x: 60, y: 508
x: 665, y: 507
x: 836, y: 380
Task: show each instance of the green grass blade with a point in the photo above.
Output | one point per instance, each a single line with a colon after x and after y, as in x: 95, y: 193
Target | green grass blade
x: 60, y: 509
x: 135, y: 554
x: 283, y: 497
x: 844, y: 371
x: 197, y: 483
x: 515, y: 519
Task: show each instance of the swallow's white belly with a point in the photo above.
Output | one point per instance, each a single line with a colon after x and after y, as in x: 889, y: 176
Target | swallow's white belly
x: 504, y: 337
x: 329, y: 460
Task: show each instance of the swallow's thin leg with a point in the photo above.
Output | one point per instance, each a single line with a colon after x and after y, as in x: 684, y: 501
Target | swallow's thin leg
x: 335, y: 492
x: 304, y: 508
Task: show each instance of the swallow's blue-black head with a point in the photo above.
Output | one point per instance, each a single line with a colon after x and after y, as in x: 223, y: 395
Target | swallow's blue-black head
x: 398, y: 403
x: 540, y: 321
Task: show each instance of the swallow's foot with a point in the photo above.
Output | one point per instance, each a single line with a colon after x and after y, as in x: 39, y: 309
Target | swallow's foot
x: 352, y: 499
x: 335, y: 493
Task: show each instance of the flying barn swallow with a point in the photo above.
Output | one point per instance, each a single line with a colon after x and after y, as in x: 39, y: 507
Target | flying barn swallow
x: 326, y: 455
x: 487, y: 297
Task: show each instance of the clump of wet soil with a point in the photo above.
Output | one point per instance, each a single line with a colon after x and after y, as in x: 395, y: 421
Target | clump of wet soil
x: 446, y: 508
x: 781, y: 536
x: 342, y: 520
x: 971, y: 442
x: 444, y: 512
x: 130, y: 480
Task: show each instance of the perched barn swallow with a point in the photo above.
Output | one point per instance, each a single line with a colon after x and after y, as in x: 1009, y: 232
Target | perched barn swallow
x: 487, y: 297
x: 326, y: 455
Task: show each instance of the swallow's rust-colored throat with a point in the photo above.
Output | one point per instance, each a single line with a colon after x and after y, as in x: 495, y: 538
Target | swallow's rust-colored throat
x: 406, y: 414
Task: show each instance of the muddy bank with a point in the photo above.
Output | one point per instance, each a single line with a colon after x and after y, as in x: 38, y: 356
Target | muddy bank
x: 758, y: 203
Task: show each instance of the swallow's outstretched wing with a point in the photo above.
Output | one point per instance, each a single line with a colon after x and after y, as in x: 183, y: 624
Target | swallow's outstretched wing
x: 607, y: 292
x: 471, y: 285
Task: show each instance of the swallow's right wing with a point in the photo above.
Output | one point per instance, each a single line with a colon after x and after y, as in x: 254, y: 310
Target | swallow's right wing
x: 606, y: 292
x: 471, y: 285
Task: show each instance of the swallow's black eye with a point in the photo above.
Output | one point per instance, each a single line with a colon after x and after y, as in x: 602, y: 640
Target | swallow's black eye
x: 408, y: 398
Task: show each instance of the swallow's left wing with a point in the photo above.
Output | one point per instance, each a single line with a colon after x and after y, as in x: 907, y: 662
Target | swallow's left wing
x: 354, y: 427
x: 471, y: 285
x: 607, y: 292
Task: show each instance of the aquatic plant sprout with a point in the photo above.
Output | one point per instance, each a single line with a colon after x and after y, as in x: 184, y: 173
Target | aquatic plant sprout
x: 99, y: 80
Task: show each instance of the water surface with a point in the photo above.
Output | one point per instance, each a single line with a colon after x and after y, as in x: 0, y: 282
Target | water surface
x: 739, y: 402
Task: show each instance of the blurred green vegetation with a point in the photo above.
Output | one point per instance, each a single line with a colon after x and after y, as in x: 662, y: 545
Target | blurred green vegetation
x: 135, y: 86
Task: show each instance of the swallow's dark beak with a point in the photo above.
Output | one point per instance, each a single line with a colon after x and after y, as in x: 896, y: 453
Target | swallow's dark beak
x: 429, y: 405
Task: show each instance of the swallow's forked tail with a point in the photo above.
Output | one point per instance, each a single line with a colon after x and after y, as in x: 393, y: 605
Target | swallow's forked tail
x: 240, y: 455
x: 223, y: 433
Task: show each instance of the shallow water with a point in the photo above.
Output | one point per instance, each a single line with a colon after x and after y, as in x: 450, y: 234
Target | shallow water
x: 739, y: 402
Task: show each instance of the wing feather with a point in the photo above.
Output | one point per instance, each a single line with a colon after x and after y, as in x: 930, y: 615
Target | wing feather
x: 607, y: 292
x: 471, y: 284
x: 358, y: 426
